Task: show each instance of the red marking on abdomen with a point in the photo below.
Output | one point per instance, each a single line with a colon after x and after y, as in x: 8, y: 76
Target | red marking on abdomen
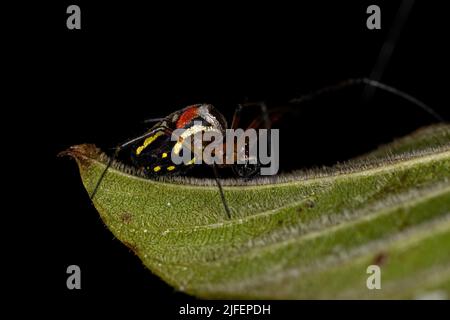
x: 187, y: 116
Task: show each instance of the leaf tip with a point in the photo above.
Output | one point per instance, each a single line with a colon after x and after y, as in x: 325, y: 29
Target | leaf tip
x: 82, y: 153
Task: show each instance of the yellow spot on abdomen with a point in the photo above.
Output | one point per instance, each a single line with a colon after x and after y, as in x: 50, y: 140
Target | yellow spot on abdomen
x: 170, y: 168
x: 148, y: 141
x: 157, y: 168
x: 164, y: 155
x: 192, y: 161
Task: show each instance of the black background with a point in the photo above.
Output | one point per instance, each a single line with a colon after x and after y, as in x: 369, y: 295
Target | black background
x: 131, y: 62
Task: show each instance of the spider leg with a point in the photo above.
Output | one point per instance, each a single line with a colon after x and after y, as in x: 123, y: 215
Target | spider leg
x: 119, y: 148
x: 187, y: 148
x: 370, y: 83
x: 273, y: 114
x: 222, y: 195
x: 264, y: 120
x: 238, y: 110
x: 153, y: 120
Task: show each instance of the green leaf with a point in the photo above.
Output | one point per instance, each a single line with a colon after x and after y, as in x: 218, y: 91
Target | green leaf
x: 303, y: 235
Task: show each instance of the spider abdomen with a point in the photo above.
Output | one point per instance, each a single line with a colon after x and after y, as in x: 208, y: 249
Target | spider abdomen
x: 154, y: 154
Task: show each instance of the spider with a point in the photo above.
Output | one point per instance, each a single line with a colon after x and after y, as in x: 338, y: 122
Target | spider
x: 151, y: 150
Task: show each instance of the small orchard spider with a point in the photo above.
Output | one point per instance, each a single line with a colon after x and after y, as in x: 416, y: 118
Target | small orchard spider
x: 151, y: 151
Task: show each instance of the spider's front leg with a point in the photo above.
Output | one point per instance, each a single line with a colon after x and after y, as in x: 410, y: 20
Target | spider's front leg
x: 250, y: 165
x: 263, y: 118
